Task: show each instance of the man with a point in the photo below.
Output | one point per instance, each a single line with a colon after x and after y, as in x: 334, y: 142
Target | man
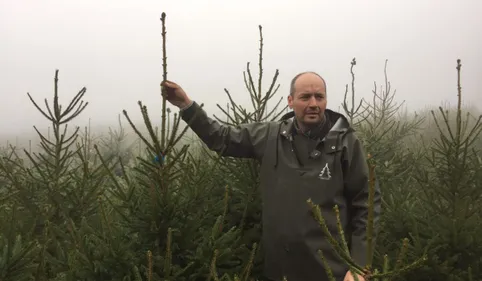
x: 314, y: 155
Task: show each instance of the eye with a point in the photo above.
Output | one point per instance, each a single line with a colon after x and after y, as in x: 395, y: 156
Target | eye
x: 308, y: 96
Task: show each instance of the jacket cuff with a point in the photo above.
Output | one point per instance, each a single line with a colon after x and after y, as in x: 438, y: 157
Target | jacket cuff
x: 190, y: 111
x: 187, y: 106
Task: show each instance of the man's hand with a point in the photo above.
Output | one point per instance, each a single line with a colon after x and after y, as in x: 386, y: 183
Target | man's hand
x: 349, y: 277
x: 175, y: 95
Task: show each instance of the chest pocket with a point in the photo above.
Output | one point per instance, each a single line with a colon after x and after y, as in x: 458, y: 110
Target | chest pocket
x: 330, y: 156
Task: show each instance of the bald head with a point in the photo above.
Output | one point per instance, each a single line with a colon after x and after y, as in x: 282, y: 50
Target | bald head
x: 304, y: 78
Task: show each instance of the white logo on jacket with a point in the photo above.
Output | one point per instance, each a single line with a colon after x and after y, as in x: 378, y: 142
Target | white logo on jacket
x: 325, y: 173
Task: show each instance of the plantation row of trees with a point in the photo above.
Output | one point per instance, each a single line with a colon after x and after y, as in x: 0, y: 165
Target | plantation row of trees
x: 87, y: 208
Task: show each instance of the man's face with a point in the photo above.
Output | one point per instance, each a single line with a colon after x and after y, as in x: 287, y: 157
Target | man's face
x: 309, y: 100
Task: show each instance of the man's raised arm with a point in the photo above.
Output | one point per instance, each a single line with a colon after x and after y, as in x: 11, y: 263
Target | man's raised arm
x: 243, y: 141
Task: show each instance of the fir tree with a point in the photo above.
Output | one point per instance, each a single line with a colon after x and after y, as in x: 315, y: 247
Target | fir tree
x: 56, y: 194
x: 164, y: 202
x: 450, y: 183
x: 243, y: 174
x: 391, y: 140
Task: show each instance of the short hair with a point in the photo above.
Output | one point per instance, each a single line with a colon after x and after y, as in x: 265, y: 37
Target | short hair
x: 293, y: 81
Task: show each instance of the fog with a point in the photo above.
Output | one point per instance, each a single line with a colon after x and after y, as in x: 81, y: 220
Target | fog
x: 113, y: 48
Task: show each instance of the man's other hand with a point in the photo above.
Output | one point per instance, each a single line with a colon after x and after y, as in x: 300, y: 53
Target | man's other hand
x: 349, y: 277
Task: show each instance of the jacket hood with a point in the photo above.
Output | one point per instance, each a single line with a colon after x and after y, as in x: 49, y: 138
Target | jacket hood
x: 339, y: 121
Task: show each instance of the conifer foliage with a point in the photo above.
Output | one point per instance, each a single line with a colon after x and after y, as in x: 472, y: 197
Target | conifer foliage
x: 52, y: 197
x: 245, y: 209
x: 450, y: 181
x: 88, y: 207
x: 164, y: 201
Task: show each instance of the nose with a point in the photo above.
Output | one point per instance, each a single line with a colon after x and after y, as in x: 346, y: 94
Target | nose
x: 312, y: 102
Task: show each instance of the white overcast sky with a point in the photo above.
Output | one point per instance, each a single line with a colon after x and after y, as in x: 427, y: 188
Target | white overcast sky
x: 114, y: 49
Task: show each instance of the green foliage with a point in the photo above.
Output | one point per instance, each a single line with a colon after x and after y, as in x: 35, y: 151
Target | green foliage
x: 450, y: 181
x: 18, y: 259
x: 243, y: 174
x: 89, y: 207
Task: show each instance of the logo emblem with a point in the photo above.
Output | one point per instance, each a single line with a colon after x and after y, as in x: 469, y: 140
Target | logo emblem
x: 325, y: 173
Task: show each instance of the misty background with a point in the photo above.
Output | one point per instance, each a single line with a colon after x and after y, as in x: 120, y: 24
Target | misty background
x: 113, y: 48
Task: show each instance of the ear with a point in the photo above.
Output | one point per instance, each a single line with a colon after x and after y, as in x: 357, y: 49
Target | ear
x: 290, y: 101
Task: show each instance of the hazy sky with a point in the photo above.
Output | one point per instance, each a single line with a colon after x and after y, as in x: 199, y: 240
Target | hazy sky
x: 114, y: 49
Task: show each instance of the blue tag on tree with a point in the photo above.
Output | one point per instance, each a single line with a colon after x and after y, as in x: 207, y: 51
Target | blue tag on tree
x: 160, y: 159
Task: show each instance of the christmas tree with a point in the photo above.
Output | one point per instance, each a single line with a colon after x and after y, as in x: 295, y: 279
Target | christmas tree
x: 87, y: 207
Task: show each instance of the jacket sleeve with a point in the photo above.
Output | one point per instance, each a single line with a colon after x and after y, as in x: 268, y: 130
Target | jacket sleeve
x: 243, y: 141
x: 357, y: 190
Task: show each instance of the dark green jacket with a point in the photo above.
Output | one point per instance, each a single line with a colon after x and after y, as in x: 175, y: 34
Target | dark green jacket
x: 294, y: 168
